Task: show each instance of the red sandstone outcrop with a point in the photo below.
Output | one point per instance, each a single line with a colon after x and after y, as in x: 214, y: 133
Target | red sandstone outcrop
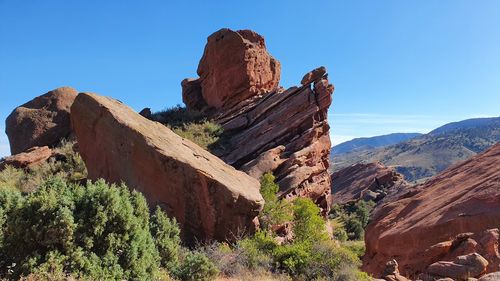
x: 266, y: 128
x: 370, y: 181
x: 463, y: 267
x: 43, y: 121
x: 29, y: 158
x: 419, y: 228
x: 236, y: 66
x: 209, y: 199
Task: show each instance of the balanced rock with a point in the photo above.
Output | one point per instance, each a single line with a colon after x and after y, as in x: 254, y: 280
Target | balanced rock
x: 462, y: 202
x: 29, y: 158
x: 209, y: 199
x: 43, y: 121
x: 235, y: 66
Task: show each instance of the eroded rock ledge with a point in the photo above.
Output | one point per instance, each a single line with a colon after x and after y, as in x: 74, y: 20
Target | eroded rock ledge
x: 266, y: 128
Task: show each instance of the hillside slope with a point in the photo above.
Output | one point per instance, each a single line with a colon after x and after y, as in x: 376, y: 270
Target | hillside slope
x: 429, y: 154
x: 372, y: 142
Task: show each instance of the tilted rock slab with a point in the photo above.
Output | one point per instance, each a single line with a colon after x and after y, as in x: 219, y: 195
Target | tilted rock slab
x: 43, y: 121
x: 463, y: 201
x: 209, y: 199
x: 266, y: 128
x: 286, y: 133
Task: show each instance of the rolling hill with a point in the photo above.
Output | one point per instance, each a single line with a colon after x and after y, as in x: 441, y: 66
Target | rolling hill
x: 372, y: 142
x: 424, y: 156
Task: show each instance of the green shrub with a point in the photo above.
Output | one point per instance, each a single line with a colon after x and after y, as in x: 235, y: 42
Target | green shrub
x: 275, y: 211
x: 178, y: 116
x: 329, y: 258
x: 308, y: 225
x: 293, y: 258
x: 354, y: 228
x: 97, y: 232
x: 192, y: 125
x: 166, y: 235
x: 357, y: 247
x: 338, y: 231
x: 256, y: 252
x: 354, y: 216
x: 68, y: 165
x: 197, y: 267
x: 11, y: 177
x: 205, y: 134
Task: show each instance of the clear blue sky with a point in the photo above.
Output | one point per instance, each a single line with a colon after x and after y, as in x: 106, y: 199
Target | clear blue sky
x: 396, y: 65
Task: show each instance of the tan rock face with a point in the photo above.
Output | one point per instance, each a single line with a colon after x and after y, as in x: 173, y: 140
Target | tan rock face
x: 235, y: 66
x: 367, y: 181
x: 209, y: 199
x: 43, y: 121
x: 30, y: 157
x: 462, y: 202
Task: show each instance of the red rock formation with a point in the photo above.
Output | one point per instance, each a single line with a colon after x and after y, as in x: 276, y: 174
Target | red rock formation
x: 463, y: 267
x: 266, y: 128
x: 209, y: 199
x: 43, y: 121
x: 30, y: 157
x: 235, y: 66
x: 463, y: 199
x: 370, y: 181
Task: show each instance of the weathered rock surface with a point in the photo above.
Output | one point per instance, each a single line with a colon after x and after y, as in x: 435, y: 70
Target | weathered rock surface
x: 43, y: 121
x: 462, y: 202
x: 370, y: 181
x: 461, y: 268
x: 266, y: 128
x: 209, y: 199
x: 30, y: 157
x: 286, y: 133
x: 494, y: 276
x: 235, y: 66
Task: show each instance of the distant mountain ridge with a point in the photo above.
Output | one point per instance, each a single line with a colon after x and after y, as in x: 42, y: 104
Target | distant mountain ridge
x: 372, y: 142
x: 426, y: 155
x: 465, y: 124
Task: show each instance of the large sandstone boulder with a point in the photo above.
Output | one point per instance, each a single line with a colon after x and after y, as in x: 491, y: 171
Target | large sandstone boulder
x: 209, y: 199
x: 43, y: 121
x: 366, y: 181
x: 462, y: 202
x: 235, y: 66
x: 461, y: 268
